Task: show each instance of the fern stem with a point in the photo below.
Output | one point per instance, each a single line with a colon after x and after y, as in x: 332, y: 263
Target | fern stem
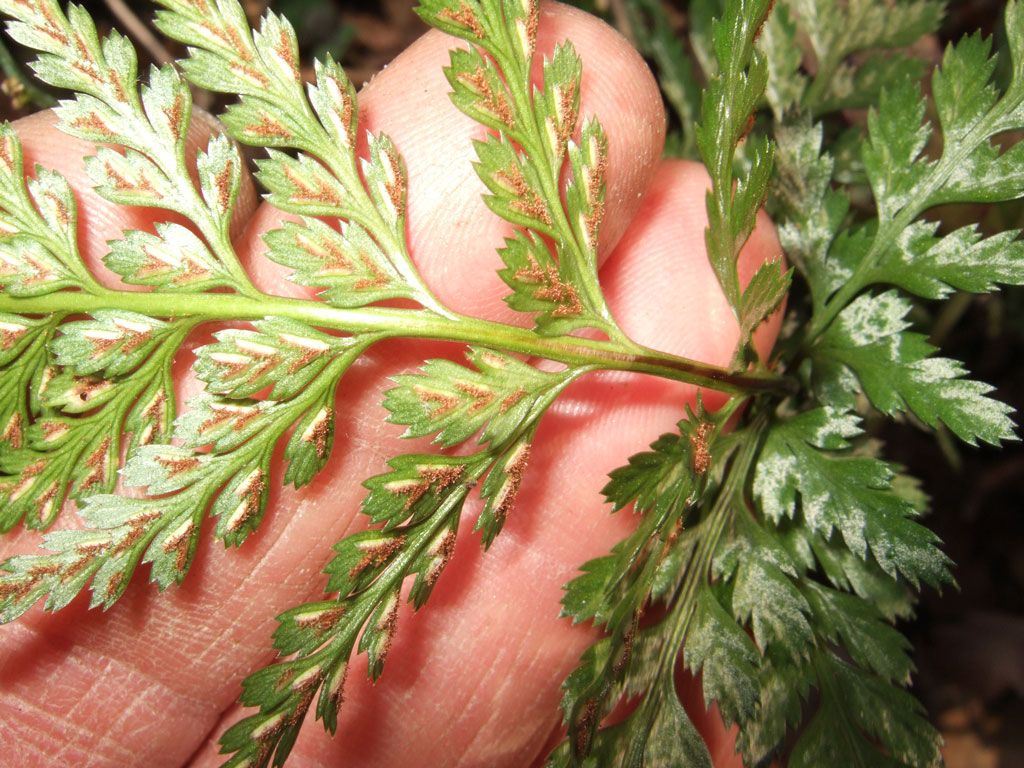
x: 390, y: 322
x: 716, y: 522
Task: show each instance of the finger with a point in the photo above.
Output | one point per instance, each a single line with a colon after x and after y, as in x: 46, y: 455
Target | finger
x: 98, y: 219
x: 188, y: 650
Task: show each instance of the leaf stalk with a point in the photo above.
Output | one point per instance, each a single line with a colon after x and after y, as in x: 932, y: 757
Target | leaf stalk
x: 391, y: 322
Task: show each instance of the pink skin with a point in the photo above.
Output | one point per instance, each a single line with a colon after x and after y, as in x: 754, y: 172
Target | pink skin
x: 474, y: 679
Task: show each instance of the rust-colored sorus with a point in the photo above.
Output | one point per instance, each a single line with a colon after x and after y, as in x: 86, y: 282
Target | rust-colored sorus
x: 701, y: 451
x: 377, y: 555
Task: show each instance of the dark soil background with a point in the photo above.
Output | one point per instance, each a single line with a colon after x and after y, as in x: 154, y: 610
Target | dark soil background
x: 969, y: 640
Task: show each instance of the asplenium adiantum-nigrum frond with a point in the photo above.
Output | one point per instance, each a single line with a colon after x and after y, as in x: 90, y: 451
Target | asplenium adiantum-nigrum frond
x: 773, y: 548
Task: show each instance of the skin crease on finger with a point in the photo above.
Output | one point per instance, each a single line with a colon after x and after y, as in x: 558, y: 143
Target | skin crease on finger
x: 472, y: 680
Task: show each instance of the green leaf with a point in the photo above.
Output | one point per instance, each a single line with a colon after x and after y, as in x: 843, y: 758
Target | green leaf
x: 500, y: 488
x: 34, y: 488
x: 718, y: 649
x: 933, y: 266
x: 245, y: 78
x: 106, y: 70
x: 670, y: 472
x: 858, y: 87
x: 360, y: 559
x: 167, y: 102
x: 971, y: 169
x: 120, y: 530
x: 670, y: 737
x: 585, y: 193
x: 334, y: 99
x: 55, y: 202
x: 807, y: 458
x: 763, y: 590
x: 309, y: 447
x: 223, y: 424
x: 17, y: 212
x: 304, y: 628
x: 782, y: 688
x: 429, y: 564
x: 133, y: 179
x: 871, y: 642
x: 277, y: 48
x: 378, y: 634
x: 657, y: 732
x: 76, y: 394
x: 847, y: 571
x: 283, y: 354
x: 174, y: 259
x: 516, y: 193
x: 855, y: 710
x: 240, y: 506
x: 79, y: 455
x: 414, y: 490
x: 152, y: 417
x: 726, y: 117
x: 23, y: 358
x: 166, y: 468
x: 479, y: 91
x: 778, y: 44
x: 561, y: 95
x: 539, y: 285
x: 897, y: 138
x: 813, y: 211
x: 462, y: 18
x: 221, y: 27
x: 113, y: 342
x: 965, y: 101
x: 386, y: 180
x: 897, y: 374
x: 764, y: 293
x: 349, y: 265
x: 586, y: 595
x: 302, y: 186
x: 837, y: 29
x: 456, y: 401
x: 27, y: 268
x: 220, y: 173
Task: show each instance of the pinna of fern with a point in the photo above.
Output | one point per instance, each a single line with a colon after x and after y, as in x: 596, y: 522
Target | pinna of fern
x: 780, y: 543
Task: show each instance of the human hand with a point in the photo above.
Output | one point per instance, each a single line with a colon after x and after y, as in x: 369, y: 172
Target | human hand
x: 473, y: 680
